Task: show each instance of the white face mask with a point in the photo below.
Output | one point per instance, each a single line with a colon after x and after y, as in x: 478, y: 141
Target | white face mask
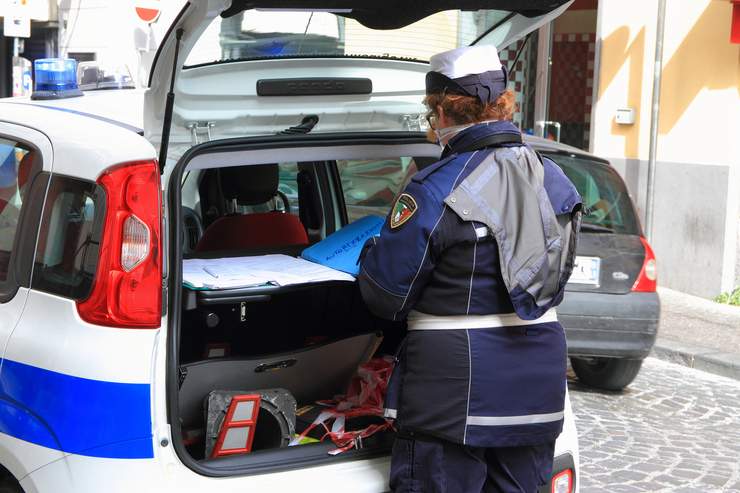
x: 445, y: 134
x: 448, y: 132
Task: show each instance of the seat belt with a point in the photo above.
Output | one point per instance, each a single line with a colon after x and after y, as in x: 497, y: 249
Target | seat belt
x: 496, y: 141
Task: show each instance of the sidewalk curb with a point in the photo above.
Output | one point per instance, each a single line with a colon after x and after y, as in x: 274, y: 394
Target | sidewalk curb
x: 698, y: 357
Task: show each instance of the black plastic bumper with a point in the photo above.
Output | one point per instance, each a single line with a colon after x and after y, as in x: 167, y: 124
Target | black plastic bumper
x: 610, y: 325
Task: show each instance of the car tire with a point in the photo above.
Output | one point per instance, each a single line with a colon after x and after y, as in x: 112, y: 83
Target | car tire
x: 10, y: 485
x: 606, y: 373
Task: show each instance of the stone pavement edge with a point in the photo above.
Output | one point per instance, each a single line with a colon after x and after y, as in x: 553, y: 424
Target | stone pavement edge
x: 698, y: 333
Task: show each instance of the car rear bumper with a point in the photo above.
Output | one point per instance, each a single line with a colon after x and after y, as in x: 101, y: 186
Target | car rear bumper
x: 560, y: 465
x: 611, y: 325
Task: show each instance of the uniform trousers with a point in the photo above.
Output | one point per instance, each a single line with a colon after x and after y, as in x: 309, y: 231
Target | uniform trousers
x: 431, y: 465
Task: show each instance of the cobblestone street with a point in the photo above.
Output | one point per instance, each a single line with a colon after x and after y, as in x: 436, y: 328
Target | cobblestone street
x: 674, y: 429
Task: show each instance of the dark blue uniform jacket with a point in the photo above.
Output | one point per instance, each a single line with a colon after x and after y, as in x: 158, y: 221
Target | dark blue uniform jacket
x: 502, y: 385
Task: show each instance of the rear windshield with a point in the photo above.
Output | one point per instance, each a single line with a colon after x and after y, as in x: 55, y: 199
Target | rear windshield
x: 285, y: 34
x: 607, y: 205
x: 371, y: 186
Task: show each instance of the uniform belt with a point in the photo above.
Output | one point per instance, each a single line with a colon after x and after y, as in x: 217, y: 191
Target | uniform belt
x: 424, y: 321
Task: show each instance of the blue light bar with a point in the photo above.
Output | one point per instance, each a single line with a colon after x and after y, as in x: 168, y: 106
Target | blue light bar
x: 55, y: 78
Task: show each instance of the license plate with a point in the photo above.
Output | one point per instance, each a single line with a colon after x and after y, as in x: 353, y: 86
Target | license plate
x: 586, y: 270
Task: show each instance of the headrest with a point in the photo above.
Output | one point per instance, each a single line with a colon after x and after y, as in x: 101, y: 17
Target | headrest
x: 250, y: 185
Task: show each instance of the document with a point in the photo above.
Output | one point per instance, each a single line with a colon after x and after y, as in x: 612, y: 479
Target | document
x: 341, y: 249
x: 261, y: 270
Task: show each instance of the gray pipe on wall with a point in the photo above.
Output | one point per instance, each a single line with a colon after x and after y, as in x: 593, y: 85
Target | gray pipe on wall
x: 654, y: 117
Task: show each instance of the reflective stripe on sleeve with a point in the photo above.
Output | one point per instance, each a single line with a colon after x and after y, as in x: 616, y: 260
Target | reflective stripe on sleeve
x: 526, y: 419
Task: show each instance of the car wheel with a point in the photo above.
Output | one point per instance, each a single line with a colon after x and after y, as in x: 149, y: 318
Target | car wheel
x: 606, y: 373
x: 9, y: 485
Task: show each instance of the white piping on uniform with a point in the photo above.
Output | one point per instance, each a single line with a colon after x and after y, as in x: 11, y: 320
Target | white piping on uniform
x: 424, y: 321
x: 472, y: 272
x: 525, y: 419
x: 470, y: 382
x: 470, y: 293
x: 426, y: 249
x: 454, y: 184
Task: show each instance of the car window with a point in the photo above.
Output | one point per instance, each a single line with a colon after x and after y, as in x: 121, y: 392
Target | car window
x: 606, y: 201
x: 17, y: 163
x: 256, y: 34
x: 67, y: 248
x: 371, y: 186
x: 288, y: 186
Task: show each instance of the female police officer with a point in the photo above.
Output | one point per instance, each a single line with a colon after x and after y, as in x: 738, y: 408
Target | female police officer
x: 475, y: 254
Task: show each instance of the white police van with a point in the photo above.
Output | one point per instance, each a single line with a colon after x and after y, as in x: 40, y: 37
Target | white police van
x: 103, y: 196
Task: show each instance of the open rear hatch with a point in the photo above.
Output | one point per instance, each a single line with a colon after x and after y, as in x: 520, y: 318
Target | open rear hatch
x: 385, y: 44
x: 222, y: 113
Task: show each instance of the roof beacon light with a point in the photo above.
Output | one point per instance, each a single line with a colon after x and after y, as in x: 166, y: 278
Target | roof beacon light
x: 55, y: 78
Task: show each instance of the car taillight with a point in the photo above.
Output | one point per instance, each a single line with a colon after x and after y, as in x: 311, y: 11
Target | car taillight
x: 562, y: 482
x: 648, y: 279
x: 127, y: 291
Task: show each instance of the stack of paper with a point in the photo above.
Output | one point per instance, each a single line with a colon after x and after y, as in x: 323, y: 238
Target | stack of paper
x: 242, y: 272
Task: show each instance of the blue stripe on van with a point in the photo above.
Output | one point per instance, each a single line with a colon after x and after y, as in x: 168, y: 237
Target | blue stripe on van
x: 75, y: 415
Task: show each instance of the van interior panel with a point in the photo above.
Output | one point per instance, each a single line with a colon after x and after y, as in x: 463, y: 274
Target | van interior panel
x: 307, y: 338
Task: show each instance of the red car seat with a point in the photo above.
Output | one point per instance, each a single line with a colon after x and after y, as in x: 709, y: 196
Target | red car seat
x: 251, y: 185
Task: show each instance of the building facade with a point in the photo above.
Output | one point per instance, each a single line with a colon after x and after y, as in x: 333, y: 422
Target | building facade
x: 17, y: 54
x: 695, y: 230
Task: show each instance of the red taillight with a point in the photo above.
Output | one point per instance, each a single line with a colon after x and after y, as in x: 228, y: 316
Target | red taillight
x: 128, y: 283
x: 562, y: 482
x: 647, y: 281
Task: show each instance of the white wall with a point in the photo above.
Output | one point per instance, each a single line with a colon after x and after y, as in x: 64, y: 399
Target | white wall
x: 697, y: 189
x: 112, y: 30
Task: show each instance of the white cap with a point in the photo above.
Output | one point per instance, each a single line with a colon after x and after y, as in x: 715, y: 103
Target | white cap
x: 467, y: 60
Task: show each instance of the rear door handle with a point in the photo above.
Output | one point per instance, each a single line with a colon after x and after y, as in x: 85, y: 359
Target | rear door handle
x: 280, y: 365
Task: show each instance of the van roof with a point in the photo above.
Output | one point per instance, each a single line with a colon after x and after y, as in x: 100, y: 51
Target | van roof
x: 125, y: 107
x: 83, y: 147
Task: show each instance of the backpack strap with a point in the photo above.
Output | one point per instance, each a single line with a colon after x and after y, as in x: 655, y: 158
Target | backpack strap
x: 495, y: 140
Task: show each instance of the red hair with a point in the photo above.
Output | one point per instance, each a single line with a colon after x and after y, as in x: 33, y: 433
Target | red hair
x: 467, y: 109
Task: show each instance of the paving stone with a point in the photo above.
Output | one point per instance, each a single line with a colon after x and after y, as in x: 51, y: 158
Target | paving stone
x: 628, y: 476
x: 716, y: 481
x: 685, y: 489
x: 648, y: 468
x: 624, y: 488
x: 685, y: 473
x: 675, y: 429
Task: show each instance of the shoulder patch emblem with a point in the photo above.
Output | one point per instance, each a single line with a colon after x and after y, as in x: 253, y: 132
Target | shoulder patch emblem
x: 403, y: 209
